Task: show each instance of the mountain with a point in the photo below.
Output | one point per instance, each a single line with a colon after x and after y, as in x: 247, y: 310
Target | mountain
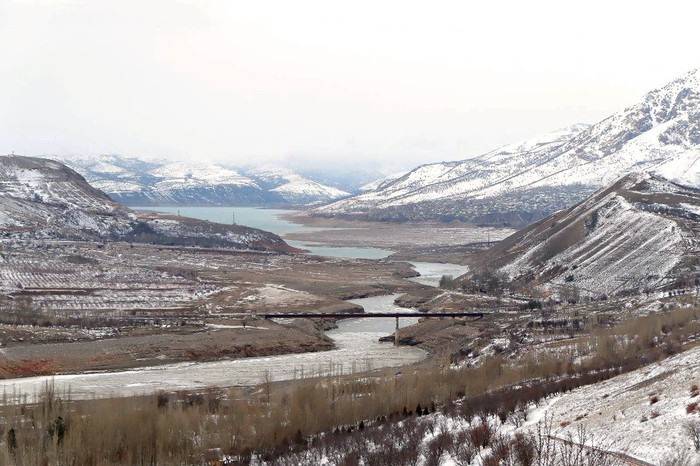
x: 41, y: 198
x: 521, y: 183
x: 344, y: 173
x: 143, y: 182
x: 381, y: 182
x: 641, y: 233
x: 292, y: 187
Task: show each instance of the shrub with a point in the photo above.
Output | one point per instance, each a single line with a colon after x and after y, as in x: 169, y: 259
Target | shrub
x: 523, y: 449
x: 653, y: 399
x: 481, y: 434
x: 534, y: 304
x: 692, y: 429
x: 461, y: 450
x: 437, y: 447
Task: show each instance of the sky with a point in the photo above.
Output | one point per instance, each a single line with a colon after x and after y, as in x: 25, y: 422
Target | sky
x: 391, y: 84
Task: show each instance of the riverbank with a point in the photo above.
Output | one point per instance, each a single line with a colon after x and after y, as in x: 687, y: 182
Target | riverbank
x: 169, y: 305
x: 412, y: 241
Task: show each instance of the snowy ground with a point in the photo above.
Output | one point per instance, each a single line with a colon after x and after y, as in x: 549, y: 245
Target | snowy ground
x: 621, y: 409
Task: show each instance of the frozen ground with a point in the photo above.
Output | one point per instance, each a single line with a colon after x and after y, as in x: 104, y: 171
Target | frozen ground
x: 432, y: 272
x: 621, y: 411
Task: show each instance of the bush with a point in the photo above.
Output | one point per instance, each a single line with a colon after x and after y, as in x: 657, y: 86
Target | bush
x: 447, y: 281
x: 481, y: 434
x: 534, y: 304
x: 692, y: 429
x: 461, y: 450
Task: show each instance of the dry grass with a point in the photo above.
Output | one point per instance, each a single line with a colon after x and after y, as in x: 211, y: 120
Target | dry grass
x: 180, y: 428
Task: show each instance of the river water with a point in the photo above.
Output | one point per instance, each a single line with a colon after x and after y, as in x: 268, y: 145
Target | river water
x: 270, y: 220
x: 357, y: 341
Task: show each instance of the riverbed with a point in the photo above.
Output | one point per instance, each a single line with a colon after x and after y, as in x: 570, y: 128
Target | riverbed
x: 357, y: 341
x: 358, y: 349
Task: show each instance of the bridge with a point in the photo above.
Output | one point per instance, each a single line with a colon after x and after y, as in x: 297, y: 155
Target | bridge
x: 362, y: 315
x: 372, y: 315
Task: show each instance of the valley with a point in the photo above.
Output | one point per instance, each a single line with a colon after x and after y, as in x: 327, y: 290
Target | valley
x: 577, y: 254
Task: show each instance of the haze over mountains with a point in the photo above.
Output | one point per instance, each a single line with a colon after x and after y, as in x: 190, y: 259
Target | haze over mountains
x: 520, y: 183
x: 150, y: 182
x: 514, y: 185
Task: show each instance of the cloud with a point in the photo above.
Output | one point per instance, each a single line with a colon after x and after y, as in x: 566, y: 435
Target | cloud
x: 396, y: 82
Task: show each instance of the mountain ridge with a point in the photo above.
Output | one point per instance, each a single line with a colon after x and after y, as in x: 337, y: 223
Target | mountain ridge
x: 158, y: 182
x: 638, y: 234
x: 44, y: 199
x: 660, y: 133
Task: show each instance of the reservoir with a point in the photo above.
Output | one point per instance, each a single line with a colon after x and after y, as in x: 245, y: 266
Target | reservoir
x: 270, y: 220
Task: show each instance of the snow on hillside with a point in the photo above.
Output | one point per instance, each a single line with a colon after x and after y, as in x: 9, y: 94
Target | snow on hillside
x: 459, y: 179
x: 381, y: 182
x: 298, y: 187
x: 182, y: 175
x: 620, y: 410
x: 660, y: 134
x: 626, y: 247
x: 638, y: 234
x: 143, y: 181
x: 293, y: 187
x: 41, y: 198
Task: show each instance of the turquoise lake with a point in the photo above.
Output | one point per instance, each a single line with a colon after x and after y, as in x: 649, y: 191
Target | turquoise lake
x: 269, y: 220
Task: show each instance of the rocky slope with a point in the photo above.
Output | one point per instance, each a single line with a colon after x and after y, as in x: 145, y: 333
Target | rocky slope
x: 520, y: 183
x: 141, y: 182
x: 640, y: 234
x: 42, y: 198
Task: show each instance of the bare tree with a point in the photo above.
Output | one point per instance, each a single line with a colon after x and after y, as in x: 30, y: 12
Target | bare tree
x: 692, y: 429
x: 266, y: 382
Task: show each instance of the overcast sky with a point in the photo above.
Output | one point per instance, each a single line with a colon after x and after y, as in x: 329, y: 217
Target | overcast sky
x: 395, y: 83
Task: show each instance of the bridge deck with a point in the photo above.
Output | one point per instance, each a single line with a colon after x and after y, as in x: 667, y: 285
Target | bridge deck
x: 362, y: 315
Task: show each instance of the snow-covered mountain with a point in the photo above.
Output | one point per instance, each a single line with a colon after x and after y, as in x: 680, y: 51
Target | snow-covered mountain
x: 135, y: 181
x: 639, y: 234
x: 381, y: 182
x: 520, y: 183
x: 293, y: 187
x: 41, y: 198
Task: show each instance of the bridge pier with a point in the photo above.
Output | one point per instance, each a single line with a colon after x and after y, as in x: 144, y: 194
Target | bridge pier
x: 396, y: 333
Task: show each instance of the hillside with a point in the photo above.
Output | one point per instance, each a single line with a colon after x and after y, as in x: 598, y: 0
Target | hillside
x: 621, y: 411
x: 521, y: 183
x: 638, y: 234
x: 42, y: 198
x: 141, y: 182
x: 292, y: 187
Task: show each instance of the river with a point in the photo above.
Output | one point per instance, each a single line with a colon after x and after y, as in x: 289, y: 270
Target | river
x: 357, y: 341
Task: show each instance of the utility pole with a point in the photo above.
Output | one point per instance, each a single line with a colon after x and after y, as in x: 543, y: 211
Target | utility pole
x: 233, y: 217
x: 396, y: 333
